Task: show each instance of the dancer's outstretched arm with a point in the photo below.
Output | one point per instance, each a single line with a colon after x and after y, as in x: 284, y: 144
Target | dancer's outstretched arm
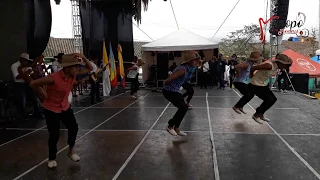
x: 175, y: 75
x: 265, y: 66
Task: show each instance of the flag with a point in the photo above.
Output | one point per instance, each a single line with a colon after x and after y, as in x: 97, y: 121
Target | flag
x: 121, y: 68
x: 113, y: 69
x: 104, y: 54
x: 106, y: 79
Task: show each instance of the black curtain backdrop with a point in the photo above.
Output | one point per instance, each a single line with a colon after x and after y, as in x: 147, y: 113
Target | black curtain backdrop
x: 102, y: 20
x: 38, y: 21
x: 42, y: 29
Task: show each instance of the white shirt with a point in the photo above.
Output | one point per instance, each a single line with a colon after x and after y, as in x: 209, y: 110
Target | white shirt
x: 95, y: 68
x: 261, y: 76
x: 206, y: 67
x: 133, y: 73
x: 15, y: 72
x: 56, y: 66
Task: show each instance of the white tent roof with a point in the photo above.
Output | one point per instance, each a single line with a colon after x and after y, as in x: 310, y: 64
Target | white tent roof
x: 181, y: 40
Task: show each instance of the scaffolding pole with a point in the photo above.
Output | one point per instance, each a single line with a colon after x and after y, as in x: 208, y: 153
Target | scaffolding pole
x: 76, y: 23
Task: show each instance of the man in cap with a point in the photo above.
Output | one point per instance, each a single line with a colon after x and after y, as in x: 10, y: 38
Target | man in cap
x: 259, y: 87
x: 22, y: 71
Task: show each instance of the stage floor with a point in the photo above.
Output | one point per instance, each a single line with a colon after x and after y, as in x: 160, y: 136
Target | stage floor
x: 125, y: 138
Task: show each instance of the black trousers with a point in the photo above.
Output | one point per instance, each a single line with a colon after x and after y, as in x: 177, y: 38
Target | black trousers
x: 204, y: 79
x: 53, y: 125
x: 264, y: 93
x: 221, y: 80
x: 189, y: 91
x: 177, y: 100
x: 213, y: 76
x: 244, y: 90
x: 22, y: 91
x: 95, y: 90
x: 231, y: 78
x: 285, y: 84
x: 134, y: 85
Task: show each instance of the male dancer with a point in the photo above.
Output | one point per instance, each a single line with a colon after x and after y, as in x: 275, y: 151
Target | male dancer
x: 242, y: 72
x: 189, y: 88
x: 171, y: 91
x: 259, y: 87
x: 56, y: 104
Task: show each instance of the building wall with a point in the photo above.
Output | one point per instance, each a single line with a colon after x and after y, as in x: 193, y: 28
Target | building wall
x: 12, y: 35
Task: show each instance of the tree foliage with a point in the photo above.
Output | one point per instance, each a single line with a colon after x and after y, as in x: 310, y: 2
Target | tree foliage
x: 242, y: 42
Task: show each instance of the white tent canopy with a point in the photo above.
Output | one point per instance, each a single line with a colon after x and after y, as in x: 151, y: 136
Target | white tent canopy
x: 181, y: 40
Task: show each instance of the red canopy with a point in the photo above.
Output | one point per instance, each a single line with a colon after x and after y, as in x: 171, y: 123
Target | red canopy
x: 302, y: 64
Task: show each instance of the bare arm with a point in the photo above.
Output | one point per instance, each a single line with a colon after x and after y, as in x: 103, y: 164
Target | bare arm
x: 238, y: 67
x: 88, y: 67
x: 265, y: 66
x: 174, y: 76
x: 37, y: 86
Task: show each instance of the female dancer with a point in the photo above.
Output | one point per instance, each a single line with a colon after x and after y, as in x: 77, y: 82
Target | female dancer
x: 171, y: 91
x: 133, y: 77
x: 56, y: 104
x: 241, y: 80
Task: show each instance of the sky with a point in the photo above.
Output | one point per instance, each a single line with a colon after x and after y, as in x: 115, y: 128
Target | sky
x: 202, y: 18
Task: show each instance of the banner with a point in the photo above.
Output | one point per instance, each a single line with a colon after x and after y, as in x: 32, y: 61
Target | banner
x: 121, y: 68
x: 113, y: 69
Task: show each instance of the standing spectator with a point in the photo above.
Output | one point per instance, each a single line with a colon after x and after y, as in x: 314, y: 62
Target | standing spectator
x: 213, y: 71
x: 232, y: 73
x: 282, y: 86
x: 221, y: 69
x: 205, y: 74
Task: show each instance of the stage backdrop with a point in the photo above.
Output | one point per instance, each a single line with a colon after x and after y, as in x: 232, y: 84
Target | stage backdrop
x: 12, y: 35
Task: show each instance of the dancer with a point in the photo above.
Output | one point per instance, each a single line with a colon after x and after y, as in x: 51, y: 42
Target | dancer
x: 56, y: 105
x: 189, y: 88
x: 171, y: 91
x: 242, y: 72
x: 132, y: 77
x: 259, y: 87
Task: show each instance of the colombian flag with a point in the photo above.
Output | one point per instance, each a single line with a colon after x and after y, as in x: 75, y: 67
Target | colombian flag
x: 113, y: 69
x: 121, y: 68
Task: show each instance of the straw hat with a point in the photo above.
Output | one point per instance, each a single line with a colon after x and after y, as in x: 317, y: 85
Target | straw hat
x: 70, y: 60
x: 25, y: 56
x: 140, y: 62
x: 256, y: 56
x: 190, y: 55
x: 283, y: 59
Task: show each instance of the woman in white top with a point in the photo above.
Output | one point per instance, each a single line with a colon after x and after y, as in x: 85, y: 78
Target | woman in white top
x: 132, y: 77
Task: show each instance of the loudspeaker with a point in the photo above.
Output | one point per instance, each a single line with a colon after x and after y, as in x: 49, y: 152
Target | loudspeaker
x: 162, y: 66
x: 300, y: 82
x: 281, y: 8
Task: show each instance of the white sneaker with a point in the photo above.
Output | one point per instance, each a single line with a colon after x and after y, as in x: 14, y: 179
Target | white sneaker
x: 172, y: 131
x: 181, y: 133
x: 285, y: 91
x: 257, y: 119
x: 265, y: 119
x: 134, y: 97
x: 190, y: 107
x: 52, y: 164
x: 74, y: 157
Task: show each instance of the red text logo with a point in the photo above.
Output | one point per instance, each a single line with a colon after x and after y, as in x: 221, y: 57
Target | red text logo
x: 262, y: 33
